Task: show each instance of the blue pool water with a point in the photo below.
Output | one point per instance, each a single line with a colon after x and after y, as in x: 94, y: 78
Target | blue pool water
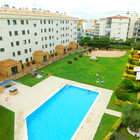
x: 59, y: 117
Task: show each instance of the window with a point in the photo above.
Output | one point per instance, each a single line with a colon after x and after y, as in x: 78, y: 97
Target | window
x: 0, y: 37
x: 28, y: 31
x: 12, y: 44
x: 10, y: 33
x: 45, y: 30
x: 29, y: 41
x: 19, y: 53
x: 8, y: 22
x: 35, y: 34
x: 30, y: 58
x: 45, y: 38
x: 36, y: 42
x: 25, y: 51
x: 14, y: 22
x: 23, y: 32
x: 56, y: 24
x: 27, y: 22
x: 49, y: 29
x: 49, y: 37
x: 50, y: 51
x: 42, y: 46
x: 22, y: 21
x: 16, y: 32
x: 50, y: 44
x: 34, y: 25
x: 24, y: 41
x: 40, y: 21
x: 13, y: 54
x: 17, y: 43
x: 44, y: 21
x: 41, y: 30
x: 30, y: 50
x: 46, y: 46
x: 56, y: 31
x: 42, y: 38
x: 57, y: 38
x: 1, y: 49
x: 26, y: 59
x: 49, y: 22
x: 52, y: 21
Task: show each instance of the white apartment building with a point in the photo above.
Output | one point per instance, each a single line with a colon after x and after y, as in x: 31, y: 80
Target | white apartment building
x: 117, y: 26
x: 23, y: 31
x: 102, y: 22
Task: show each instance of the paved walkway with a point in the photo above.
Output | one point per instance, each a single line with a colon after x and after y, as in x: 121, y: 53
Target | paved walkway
x: 112, y: 112
x: 30, y: 98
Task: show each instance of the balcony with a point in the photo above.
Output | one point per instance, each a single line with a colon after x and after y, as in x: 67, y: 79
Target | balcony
x: 108, y: 29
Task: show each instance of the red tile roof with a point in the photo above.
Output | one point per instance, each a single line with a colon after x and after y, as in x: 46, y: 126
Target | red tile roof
x: 120, y: 17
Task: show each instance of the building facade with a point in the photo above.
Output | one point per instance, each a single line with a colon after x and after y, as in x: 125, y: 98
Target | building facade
x: 22, y: 32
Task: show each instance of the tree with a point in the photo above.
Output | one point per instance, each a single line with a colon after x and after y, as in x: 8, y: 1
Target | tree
x: 131, y: 116
x: 127, y: 84
x: 136, y: 45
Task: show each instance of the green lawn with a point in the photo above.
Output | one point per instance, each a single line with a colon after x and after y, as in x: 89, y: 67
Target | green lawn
x: 6, y: 124
x: 105, y: 126
x: 83, y: 70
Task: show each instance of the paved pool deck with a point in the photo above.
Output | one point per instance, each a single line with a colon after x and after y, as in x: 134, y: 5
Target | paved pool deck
x: 30, y: 98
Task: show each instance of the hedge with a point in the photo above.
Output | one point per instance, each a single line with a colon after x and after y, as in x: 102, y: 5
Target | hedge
x: 117, y: 124
x: 107, y: 137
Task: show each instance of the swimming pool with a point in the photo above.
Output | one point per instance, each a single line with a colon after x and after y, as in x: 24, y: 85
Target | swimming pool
x: 59, y: 117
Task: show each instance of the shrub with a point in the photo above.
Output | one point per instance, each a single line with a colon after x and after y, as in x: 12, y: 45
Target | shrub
x: 126, y: 84
x: 75, y: 58
x: 28, y: 64
x: 138, y: 101
x: 121, y: 94
x: 119, y: 102
x: 117, y: 124
x: 137, y: 88
x: 80, y: 55
x: 69, y: 62
x: 33, y: 62
x: 108, y: 136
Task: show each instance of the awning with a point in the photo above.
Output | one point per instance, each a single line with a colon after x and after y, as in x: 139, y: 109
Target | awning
x: 138, y: 76
x: 136, y: 69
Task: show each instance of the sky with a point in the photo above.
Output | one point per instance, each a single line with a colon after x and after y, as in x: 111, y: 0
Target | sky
x: 83, y: 9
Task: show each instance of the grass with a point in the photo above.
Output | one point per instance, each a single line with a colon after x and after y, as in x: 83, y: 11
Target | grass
x: 7, y: 124
x: 83, y: 70
x: 105, y: 126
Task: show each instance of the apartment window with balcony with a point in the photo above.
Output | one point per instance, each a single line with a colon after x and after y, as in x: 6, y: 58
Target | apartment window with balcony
x: 26, y: 59
x: 17, y: 43
x: 16, y: 32
x: 12, y: 44
x: 14, y: 54
x: 8, y: 22
x: 19, y: 53
x: 22, y: 22
x: 24, y: 42
x: 1, y: 49
x: 14, y: 22
x: 10, y: 33
x: 28, y: 31
x: 29, y: 41
x: 23, y: 32
x: 0, y: 38
x: 25, y: 51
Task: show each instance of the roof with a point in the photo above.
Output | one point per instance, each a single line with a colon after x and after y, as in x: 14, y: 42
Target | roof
x: 102, y: 18
x: 14, y: 11
x: 40, y: 52
x: 89, y: 30
x: 8, y: 62
x: 119, y: 17
x: 60, y: 47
